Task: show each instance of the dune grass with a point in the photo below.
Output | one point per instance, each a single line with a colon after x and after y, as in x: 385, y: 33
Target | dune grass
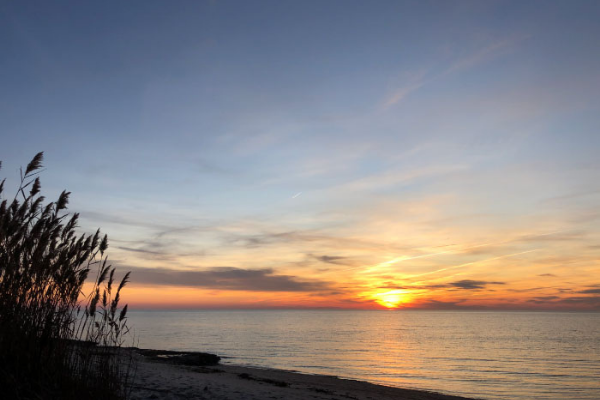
x: 56, y: 341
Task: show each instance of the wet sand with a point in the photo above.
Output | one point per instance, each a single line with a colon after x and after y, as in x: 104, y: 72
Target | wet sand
x: 161, y: 378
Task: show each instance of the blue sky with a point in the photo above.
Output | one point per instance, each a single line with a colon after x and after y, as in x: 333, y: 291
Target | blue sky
x: 202, y: 134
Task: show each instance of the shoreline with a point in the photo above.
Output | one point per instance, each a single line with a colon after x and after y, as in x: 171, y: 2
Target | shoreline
x: 192, y: 375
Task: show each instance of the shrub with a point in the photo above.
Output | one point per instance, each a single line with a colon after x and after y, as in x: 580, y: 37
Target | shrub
x: 56, y: 342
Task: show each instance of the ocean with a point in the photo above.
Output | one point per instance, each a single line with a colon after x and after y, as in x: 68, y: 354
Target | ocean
x: 487, y: 355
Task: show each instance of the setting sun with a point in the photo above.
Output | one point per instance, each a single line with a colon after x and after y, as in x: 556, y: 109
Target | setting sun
x: 393, y: 299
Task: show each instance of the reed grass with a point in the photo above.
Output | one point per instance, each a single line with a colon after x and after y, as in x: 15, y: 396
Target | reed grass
x: 57, y: 342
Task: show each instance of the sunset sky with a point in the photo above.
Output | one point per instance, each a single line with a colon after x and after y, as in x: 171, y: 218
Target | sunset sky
x: 265, y: 154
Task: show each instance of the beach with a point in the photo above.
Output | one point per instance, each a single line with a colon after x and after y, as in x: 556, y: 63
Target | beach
x: 160, y: 378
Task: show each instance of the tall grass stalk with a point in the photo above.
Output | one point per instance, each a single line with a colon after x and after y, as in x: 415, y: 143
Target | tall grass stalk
x: 55, y: 341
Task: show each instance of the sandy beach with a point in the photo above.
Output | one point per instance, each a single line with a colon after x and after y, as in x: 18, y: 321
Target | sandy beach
x: 159, y: 378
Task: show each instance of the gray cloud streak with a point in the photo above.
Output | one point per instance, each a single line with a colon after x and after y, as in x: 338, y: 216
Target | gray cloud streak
x: 465, y: 284
x: 472, y: 285
x: 140, y: 250
x: 590, y: 291
x: 226, y: 278
x: 337, y: 260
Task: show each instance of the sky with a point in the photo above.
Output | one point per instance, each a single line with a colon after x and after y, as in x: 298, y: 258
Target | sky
x: 308, y: 154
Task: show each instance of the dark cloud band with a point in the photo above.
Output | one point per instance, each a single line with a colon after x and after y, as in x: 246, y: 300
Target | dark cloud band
x: 227, y: 278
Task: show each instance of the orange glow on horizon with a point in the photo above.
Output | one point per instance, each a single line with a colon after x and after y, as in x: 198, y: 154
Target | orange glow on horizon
x: 512, y: 270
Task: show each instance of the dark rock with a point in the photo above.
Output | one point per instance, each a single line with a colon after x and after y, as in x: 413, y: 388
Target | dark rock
x: 195, y: 359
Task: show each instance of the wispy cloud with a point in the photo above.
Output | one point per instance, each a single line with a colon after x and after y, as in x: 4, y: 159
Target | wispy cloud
x: 479, y: 56
x: 415, y: 82
x: 473, y: 263
x: 486, y: 53
x: 394, y: 177
x: 106, y: 218
x: 337, y: 260
x: 470, y: 249
x: 144, y: 251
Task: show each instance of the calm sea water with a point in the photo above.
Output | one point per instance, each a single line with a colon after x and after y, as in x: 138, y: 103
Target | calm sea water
x: 489, y: 355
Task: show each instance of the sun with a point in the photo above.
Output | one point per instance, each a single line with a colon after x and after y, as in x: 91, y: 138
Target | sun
x: 393, y: 298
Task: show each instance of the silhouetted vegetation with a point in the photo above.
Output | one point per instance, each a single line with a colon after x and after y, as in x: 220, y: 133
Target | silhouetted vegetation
x: 55, y: 341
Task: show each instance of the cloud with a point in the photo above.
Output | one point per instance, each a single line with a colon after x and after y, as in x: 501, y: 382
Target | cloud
x: 446, y: 305
x: 593, y: 302
x: 207, y: 167
x: 269, y: 238
x: 226, y: 278
x: 182, y: 230
x: 262, y: 239
x: 590, y: 291
x: 546, y: 298
x: 480, y: 56
x: 547, y: 275
x: 571, y: 303
x: 103, y: 218
x: 416, y: 81
x: 572, y: 195
x: 485, y: 54
x: 391, y: 178
x: 468, y: 284
x: 337, y: 260
x: 560, y: 236
x: 141, y: 250
x: 533, y: 289
x: 299, y: 236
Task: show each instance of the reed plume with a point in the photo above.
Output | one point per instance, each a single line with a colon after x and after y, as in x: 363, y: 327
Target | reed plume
x: 55, y: 340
